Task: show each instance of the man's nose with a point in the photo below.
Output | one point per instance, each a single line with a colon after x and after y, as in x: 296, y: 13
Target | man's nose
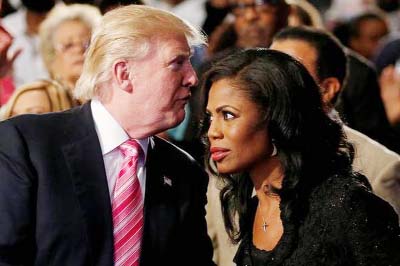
x: 250, y: 13
x: 191, y: 77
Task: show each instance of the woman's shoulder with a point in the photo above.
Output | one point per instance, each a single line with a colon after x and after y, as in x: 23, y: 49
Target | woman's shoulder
x: 344, y: 183
x: 344, y: 215
x: 346, y: 199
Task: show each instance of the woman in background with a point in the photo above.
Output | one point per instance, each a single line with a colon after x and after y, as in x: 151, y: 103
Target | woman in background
x: 289, y: 194
x: 64, y: 37
x: 37, y: 98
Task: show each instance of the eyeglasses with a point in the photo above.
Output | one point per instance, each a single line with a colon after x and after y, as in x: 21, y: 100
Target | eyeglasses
x: 69, y: 46
x: 259, y: 6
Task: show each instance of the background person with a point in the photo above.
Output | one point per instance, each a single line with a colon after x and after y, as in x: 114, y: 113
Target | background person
x: 23, y: 25
x: 38, y: 97
x: 388, y: 68
x: 6, y: 64
x: 64, y: 37
x: 325, y: 59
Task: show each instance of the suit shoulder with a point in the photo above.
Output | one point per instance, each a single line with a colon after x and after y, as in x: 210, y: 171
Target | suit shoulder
x: 371, y: 158
x: 176, y: 157
x: 346, y: 195
x: 49, y: 124
x: 365, y: 143
x: 40, y: 120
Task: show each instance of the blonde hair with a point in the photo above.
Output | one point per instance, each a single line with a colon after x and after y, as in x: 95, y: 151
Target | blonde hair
x: 87, y: 14
x: 125, y: 34
x: 59, y: 97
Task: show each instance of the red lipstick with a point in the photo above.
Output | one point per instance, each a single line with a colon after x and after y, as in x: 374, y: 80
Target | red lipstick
x: 218, y: 154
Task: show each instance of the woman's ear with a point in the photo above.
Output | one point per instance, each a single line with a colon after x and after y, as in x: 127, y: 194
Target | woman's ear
x: 122, y: 76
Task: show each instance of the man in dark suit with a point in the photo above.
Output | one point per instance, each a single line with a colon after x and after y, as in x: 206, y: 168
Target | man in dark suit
x: 60, y: 172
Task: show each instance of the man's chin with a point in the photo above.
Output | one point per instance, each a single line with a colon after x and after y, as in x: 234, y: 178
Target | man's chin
x: 176, y: 120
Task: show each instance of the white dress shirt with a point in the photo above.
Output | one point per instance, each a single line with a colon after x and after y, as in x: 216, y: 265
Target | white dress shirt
x: 111, y: 135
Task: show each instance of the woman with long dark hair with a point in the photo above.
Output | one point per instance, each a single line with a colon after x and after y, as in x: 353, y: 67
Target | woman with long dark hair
x: 289, y: 194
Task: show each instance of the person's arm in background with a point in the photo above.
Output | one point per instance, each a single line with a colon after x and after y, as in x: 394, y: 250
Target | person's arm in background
x: 390, y: 93
x: 6, y: 60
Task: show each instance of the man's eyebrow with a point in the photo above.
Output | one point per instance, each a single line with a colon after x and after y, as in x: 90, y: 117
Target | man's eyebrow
x: 180, y: 56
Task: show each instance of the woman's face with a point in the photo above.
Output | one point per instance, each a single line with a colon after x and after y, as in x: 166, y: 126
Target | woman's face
x: 71, y: 39
x: 32, y: 102
x: 238, y: 142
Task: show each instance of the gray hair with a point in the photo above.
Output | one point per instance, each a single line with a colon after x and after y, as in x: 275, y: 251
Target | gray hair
x: 125, y: 34
x: 87, y: 14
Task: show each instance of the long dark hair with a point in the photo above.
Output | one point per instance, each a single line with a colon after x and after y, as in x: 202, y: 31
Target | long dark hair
x: 311, y: 146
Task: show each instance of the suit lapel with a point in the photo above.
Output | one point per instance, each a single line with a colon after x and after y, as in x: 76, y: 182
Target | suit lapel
x: 85, y: 162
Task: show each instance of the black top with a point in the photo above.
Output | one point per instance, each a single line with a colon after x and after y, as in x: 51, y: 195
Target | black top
x: 346, y: 225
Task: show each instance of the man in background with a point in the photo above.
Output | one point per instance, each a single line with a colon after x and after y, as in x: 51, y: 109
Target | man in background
x: 324, y: 58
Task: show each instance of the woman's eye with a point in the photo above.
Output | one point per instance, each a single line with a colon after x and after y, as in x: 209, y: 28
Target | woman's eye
x: 228, y: 115
x: 208, y: 118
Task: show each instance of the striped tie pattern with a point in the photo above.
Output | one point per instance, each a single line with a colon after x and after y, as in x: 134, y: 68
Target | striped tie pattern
x: 127, y: 208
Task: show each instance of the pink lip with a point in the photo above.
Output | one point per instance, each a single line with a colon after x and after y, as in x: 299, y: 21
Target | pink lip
x: 186, y: 98
x: 218, y: 154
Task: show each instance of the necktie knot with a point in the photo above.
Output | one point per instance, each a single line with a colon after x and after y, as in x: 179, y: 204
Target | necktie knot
x: 130, y: 148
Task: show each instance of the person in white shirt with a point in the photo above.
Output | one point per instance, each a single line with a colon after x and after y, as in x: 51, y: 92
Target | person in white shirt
x: 23, y: 26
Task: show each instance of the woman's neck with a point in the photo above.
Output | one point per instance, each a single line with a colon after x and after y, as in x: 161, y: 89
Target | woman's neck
x: 268, y: 175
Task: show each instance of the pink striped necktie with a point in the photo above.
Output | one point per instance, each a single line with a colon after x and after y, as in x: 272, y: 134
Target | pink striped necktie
x: 127, y: 208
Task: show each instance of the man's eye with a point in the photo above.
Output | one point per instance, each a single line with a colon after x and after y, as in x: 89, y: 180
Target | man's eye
x: 177, y: 65
x: 180, y: 62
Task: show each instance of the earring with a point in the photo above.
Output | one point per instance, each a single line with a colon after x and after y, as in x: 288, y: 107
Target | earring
x: 274, y: 150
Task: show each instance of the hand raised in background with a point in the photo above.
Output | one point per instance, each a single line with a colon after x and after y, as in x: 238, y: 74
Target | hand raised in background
x: 390, y: 93
x: 6, y: 60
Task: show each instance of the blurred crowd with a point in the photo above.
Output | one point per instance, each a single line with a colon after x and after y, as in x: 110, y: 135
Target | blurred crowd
x: 43, y: 44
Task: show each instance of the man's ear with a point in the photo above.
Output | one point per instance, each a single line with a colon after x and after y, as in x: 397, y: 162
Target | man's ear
x: 330, y: 88
x: 122, y: 75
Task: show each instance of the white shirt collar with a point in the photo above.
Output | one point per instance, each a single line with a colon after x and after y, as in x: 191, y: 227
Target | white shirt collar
x: 110, y: 133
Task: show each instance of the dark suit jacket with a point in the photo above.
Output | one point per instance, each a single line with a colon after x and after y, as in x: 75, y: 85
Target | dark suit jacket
x: 54, y: 202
